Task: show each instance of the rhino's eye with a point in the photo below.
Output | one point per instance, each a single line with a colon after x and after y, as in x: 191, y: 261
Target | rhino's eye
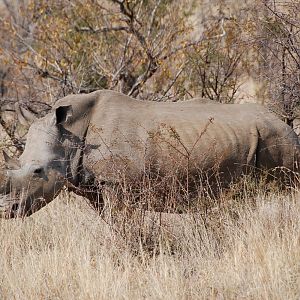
x: 38, y: 171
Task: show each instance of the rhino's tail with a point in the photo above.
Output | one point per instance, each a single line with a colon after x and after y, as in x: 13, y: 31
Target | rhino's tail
x: 252, y: 155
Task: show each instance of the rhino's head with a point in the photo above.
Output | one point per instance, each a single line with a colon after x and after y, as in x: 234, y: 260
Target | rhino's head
x: 39, y: 174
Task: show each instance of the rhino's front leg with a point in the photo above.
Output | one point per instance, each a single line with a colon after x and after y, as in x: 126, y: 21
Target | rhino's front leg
x: 89, y: 187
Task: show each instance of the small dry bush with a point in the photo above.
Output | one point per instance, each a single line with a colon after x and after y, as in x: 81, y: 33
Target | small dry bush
x: 244, y: 246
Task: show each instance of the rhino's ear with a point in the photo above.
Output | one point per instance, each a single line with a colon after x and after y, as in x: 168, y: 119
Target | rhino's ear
x: 62, y: 114
x: 10, y: 163
x: 25, y: 116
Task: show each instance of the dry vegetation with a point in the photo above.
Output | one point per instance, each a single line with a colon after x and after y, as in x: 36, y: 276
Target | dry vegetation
x: 247, y: 249
x: 158, y: 50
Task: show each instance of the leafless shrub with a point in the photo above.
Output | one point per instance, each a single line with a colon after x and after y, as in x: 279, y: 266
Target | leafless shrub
x: 146, y: 49
x: 280, y: 59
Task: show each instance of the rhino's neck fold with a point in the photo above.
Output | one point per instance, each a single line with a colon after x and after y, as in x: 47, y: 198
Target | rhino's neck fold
x: 74, y: 154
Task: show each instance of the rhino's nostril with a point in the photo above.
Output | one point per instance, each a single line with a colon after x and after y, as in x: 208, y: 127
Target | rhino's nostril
x: 15, y: 207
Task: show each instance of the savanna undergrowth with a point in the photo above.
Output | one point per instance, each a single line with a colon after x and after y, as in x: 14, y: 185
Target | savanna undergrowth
x: 246, y: 246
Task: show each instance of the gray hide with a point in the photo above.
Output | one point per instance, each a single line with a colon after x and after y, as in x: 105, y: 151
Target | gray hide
x: 89, y: 140
x: 296, y: 126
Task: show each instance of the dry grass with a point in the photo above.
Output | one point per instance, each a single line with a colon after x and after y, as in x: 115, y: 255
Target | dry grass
x: 66, y: 251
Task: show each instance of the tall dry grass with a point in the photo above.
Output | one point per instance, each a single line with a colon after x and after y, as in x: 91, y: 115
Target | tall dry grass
x: 247, y: 249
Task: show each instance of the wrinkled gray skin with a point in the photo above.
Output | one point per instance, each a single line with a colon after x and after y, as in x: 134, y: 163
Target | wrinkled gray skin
x: 296, y: 125
x: 90, y: 140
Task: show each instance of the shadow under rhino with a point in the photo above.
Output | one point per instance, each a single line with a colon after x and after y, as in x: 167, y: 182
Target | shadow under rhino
x: 93, y: 143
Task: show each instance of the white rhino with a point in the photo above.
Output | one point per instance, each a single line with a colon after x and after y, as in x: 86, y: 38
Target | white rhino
x: 90, y: 140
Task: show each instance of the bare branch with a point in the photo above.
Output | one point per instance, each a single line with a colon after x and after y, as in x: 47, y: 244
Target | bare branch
x: 152, y: 18
x: 101, y: 30
x: 171, y: 84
